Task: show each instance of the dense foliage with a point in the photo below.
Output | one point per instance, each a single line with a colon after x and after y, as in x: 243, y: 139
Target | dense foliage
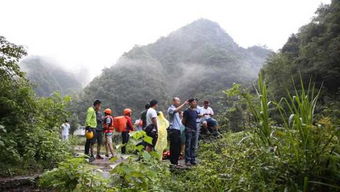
x: 29, y: 126
x: 48, y: 78
x: 197, y: 60
x: 302, y: 155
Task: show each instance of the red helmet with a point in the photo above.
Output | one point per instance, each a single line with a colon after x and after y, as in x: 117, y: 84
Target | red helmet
x: 108, y: 111
x: 127, y: 111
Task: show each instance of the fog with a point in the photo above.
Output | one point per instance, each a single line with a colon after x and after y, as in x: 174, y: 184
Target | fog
x: 90, y: 35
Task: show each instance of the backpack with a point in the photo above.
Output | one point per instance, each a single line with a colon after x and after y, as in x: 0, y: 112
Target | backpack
x: 119, y: 123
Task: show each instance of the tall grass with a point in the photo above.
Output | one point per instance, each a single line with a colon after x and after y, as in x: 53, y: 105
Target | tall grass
x: 303, y: 141
x: 301, y: 107
x: 261, y: 112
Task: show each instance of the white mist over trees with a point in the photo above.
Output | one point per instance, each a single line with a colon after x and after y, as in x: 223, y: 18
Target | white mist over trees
x: 199, y: 59
x: 47, y: 77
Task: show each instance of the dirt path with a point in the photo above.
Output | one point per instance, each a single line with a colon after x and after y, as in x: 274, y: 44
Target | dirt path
x: 105, y: 165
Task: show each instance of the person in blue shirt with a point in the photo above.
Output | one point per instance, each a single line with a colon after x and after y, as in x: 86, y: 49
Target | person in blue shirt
x: 189, y: 121
x: 175, y: 129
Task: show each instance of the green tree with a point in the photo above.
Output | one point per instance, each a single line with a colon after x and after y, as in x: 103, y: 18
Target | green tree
x: 29, y: 138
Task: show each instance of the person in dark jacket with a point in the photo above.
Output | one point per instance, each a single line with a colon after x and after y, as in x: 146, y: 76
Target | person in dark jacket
x: 189, y: 121
x: 99, y: 133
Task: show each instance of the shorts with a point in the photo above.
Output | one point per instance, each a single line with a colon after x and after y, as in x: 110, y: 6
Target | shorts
x: 183, y: 138
x: 210, y: 122
x: 108, y: 138
x: 64, y: 137
x: 99, y: 137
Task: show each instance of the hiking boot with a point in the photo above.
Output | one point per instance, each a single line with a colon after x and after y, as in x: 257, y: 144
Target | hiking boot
x: 99, y: 157
x: 187, y: 164
x: 178, y: 166
x: 91, y: 158
x: 193, y: 163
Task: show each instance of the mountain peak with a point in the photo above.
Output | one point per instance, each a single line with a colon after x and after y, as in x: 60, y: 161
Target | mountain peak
x: 204, y: 24
x: 203, y: 30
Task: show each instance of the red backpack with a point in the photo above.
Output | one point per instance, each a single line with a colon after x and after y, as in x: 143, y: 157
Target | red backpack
x: 119, y: 123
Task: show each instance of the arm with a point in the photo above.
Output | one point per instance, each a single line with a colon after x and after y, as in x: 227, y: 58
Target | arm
x: 200, y: 114
x: 129, y: 124
x: 106, y: 124
x: 181, y: 106
x: 154, y: 121
x: 184, y: 120
x: 89, y: 115
x: 211, y: 112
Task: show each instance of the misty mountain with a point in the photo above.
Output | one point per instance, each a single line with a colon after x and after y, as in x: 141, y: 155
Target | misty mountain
x: 198, y: 59
x: 48, y: 77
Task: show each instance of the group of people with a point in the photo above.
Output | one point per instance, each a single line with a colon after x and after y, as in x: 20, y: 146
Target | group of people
x: 185, y: 125
x: 185, y: 119
x: 103, y: 126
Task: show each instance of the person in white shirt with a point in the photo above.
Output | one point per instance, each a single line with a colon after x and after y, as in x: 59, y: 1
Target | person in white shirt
x: 65, y: 130
x: 206, y: 112
x: 151, y: 128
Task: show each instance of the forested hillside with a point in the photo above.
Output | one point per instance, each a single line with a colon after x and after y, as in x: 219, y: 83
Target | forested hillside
x: 48, y: 77
x: 313, y: 53
x: 196, y: 60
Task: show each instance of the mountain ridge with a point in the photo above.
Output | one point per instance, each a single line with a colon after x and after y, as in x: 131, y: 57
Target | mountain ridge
x: 196, y: 59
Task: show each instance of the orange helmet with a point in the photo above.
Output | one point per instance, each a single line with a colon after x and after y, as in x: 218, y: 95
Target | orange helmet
x: 108, y: 111
x: 127, y: 111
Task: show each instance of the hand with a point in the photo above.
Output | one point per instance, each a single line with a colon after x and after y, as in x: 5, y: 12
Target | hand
x: 186, y: 102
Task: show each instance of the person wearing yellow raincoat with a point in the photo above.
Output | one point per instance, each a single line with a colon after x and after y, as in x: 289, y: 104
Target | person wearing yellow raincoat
x: 162, y: 142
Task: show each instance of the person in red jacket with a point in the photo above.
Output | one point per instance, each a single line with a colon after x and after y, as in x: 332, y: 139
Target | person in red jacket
x: 129, y: 127
x: 108, y: 131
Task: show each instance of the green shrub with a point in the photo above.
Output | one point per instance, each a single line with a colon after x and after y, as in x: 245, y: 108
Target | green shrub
x: 29, y: 138
x: 74, y: 174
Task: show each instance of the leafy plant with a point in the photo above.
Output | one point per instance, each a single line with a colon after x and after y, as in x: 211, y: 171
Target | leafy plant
x: 29, y: 139
x: 75, y: 174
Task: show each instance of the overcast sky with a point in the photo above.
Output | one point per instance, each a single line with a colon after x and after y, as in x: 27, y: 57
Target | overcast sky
x: 94, y: 34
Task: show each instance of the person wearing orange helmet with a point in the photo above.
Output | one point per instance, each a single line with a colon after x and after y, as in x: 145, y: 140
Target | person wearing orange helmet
x: 129, y: 127
x: 108, y: 131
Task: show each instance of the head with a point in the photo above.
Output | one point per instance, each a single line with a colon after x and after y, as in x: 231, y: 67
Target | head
x: 206, y: 104
x: 66, y: 121
x: 147, y: 106
x: 97, y: 104
x: 176, y: 101
x: 192, y: 103
x: 107, y: 111
x: 127, y: 112
x: 153, y: 104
